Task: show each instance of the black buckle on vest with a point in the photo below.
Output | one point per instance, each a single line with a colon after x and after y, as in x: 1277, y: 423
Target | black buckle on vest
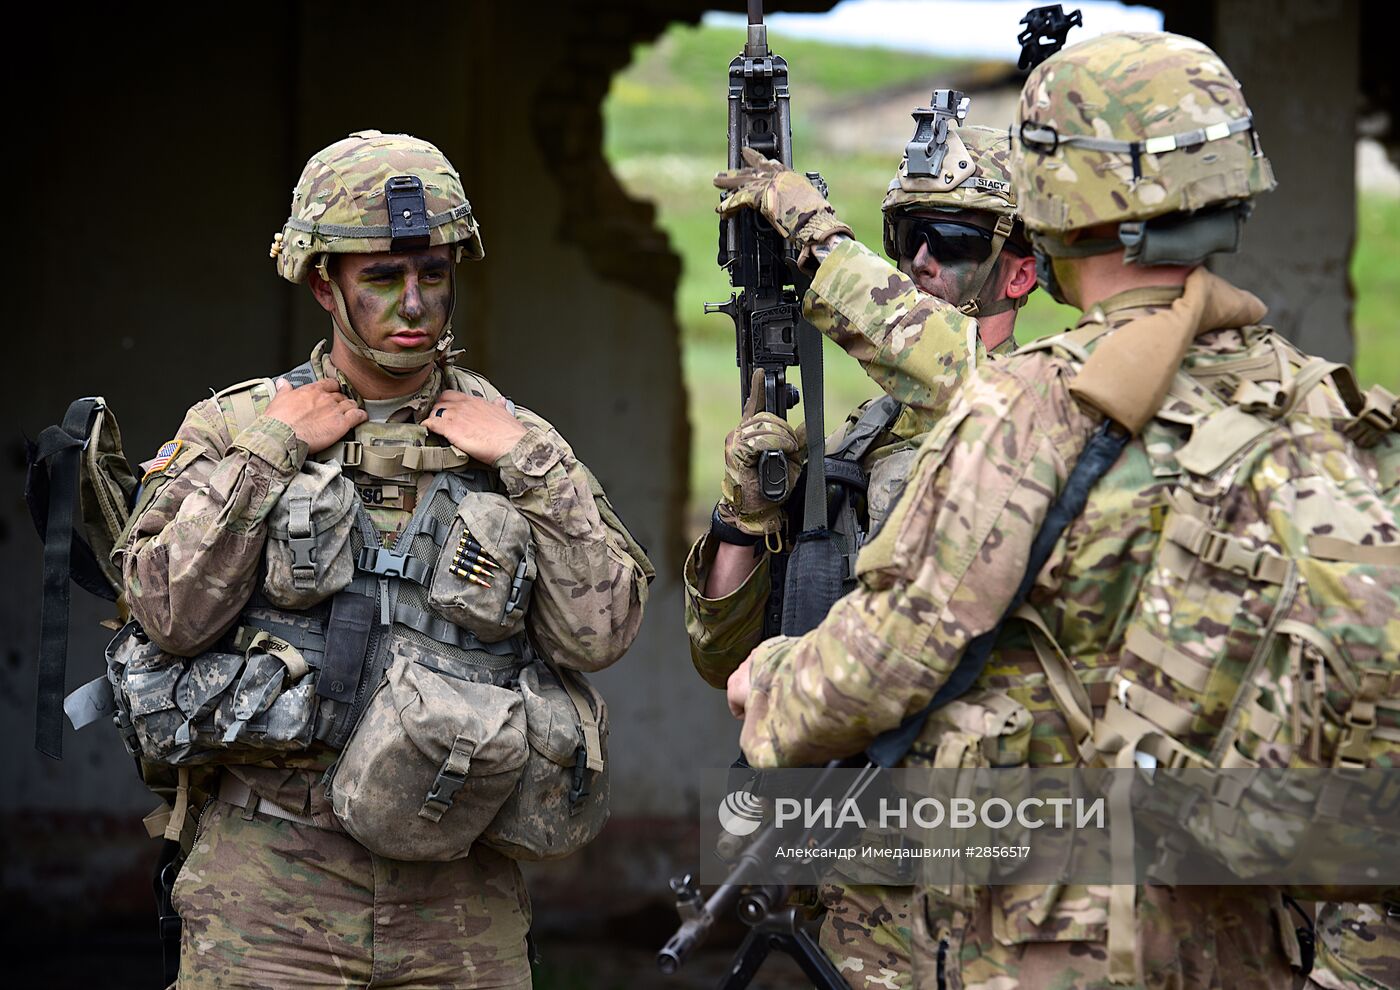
x: 408, y: 213
x: 445, y: 787
x: 579, y: 790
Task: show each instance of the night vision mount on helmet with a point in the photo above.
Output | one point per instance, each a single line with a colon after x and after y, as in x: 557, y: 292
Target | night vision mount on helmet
x: 949, y: 167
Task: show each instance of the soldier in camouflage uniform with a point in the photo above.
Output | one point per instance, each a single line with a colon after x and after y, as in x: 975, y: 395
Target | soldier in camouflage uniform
x: 964, y: 268
x: 274, y: 892
x: 1127, y: 128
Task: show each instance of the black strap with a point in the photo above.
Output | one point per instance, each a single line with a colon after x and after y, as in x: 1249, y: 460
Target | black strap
x: 347, y: 639
x: 1100, y: 454
x: 167, y: 918
x: 62, y: 447
x: 809, y: 356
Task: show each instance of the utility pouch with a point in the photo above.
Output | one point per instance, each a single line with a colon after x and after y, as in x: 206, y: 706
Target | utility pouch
x: 308, y: 541
x: 561, y: 803
x: 980, y: 729
x: 253, y: 694
x: 485, y: 572
x: 430, y: 762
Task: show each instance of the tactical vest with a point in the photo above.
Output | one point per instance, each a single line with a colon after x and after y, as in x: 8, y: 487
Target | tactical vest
x: 447, y: 732
x: 226, y: 706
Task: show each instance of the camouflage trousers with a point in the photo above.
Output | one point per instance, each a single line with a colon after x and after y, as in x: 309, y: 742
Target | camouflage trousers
x: 1358, y: 947
x: 1188, y: 938
x: 865, y: 932
x: 273, y: 903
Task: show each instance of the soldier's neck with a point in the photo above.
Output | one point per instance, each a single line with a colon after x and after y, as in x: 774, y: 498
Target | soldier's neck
x: 371, y: 383
x: 1101, y: 276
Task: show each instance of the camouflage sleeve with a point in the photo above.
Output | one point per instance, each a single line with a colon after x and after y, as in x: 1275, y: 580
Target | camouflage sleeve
x: 593, y: 576
x: 192, y: 548
x: 724, y: 630
x: 939, y: 572
x: 912, y: 344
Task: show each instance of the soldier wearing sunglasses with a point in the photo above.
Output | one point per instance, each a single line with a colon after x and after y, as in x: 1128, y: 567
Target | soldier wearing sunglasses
x: 959, y: 268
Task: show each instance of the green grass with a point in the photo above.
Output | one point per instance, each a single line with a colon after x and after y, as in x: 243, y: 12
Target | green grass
x: 1375, y: 275
x: 665, y: 121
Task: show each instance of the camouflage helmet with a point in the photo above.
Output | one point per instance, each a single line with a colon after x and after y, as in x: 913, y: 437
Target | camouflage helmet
x: 1127, y: 127
x: 339, y: 205
x: 370, y: 193
x: 986, y: 187
x: 976, y: 176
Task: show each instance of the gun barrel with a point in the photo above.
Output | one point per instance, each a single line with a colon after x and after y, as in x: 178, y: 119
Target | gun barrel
x: 694, y: 931
x: 758, y: 34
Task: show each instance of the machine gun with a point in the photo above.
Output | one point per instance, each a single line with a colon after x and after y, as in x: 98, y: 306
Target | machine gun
x: 766, y: 306
x: 773, y: 923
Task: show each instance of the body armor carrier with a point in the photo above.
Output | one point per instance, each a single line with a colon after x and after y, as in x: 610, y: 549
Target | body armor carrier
x: 282, y: 680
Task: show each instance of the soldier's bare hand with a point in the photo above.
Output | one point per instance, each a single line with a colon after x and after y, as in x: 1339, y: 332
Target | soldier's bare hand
x: 481, y: 428
x: 318, y: 412
x: 737, y: 691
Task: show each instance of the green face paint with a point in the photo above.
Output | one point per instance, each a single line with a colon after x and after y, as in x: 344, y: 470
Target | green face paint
x: 398, y: 302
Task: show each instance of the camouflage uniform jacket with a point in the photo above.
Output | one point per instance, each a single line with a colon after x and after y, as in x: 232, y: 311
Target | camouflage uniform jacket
x: 918, y: 349
x: 193, y: 548
x: 942, y: 571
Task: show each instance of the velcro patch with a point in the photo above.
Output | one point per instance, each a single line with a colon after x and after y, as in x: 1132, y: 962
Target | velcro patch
x: 163, y: 457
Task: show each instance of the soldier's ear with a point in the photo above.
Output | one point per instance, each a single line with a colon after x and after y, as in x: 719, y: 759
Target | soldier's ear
x: 1020, y: 276
x: 321, y: 289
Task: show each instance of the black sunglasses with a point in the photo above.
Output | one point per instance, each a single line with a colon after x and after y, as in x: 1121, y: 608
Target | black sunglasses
x: 948, y: 240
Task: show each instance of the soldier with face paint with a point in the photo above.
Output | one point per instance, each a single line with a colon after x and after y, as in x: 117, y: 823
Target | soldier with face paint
x: 963, y: 270
x: 275, y: 890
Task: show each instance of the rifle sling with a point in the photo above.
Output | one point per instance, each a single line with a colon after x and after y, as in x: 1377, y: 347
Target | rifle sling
x: 809, y: 356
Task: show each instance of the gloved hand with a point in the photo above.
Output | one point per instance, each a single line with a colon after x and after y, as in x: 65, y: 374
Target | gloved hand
x: 743, y: 504
x: 787, y: 200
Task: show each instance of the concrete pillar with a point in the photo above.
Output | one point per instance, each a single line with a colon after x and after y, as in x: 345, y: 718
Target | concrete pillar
x: 1298, y: 62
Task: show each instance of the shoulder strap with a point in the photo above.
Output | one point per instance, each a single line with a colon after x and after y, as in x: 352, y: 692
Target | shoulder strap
x: 1100, y: 454
x: 59, y: 451
x: 879, y: 417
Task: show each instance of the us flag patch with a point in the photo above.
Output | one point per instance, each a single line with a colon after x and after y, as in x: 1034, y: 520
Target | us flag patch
x: 163, y: 457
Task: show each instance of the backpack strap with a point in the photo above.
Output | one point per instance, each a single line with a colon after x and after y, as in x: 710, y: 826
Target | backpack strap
x: 62, y: 448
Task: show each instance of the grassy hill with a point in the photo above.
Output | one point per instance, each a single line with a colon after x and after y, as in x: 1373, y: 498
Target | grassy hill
x: 665, y: 119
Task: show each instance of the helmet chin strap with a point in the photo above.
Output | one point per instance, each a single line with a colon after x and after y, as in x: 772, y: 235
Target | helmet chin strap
x: 979, y: 304
x: 397, y: 364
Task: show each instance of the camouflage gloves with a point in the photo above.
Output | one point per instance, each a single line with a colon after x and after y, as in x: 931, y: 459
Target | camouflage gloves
x: 787, y: 200
x: 743, y: 504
